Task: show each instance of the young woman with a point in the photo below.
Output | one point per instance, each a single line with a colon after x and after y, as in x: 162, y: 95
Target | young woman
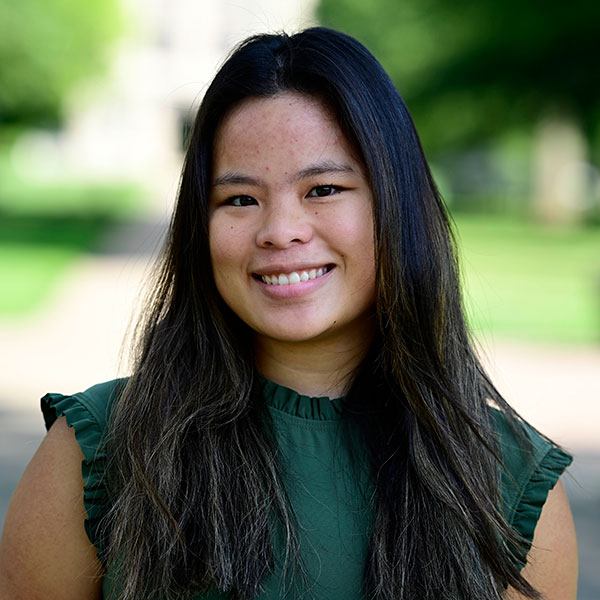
x: 306, y: 416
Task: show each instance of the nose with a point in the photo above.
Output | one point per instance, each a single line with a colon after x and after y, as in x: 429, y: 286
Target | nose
x: 284, y: 225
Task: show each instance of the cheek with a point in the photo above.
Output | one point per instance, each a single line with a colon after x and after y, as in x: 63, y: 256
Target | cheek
x: 222, y: 255
x: 364, y: 258
x: 357, y: 230
x: 229, y: 252
x: 221, y: 252
x: 223, y: 239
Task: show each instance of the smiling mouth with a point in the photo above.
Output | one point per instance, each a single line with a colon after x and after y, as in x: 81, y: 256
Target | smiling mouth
x: 295, y: 276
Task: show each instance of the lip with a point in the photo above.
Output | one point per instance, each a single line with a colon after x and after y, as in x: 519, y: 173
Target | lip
x: 295, y: 290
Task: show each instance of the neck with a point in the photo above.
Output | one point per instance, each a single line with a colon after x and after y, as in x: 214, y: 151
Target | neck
x: 315, y: 368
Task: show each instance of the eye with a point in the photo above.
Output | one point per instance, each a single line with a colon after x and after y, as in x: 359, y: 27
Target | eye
x: 322, y: 191
x: 240, y: 201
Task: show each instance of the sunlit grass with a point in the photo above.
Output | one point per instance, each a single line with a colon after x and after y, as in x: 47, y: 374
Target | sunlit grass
x: 35, y: 253
x: 29, y: 275
x: 45, y: 226
x: 527, y: 281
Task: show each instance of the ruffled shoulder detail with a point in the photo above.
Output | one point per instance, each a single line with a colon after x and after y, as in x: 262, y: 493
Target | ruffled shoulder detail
x: 87, y: 413
x: 529, y: 507
x: 533, y: 465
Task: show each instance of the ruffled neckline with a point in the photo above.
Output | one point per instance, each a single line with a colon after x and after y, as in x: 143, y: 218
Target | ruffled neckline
x: 291, y: 402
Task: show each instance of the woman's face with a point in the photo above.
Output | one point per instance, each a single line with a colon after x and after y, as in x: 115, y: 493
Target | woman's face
x: 291, y: 222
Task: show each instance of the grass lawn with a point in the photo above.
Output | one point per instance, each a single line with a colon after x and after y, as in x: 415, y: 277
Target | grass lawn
x: 45, y: 227
x: 530, y: 282
x: 35, y: 252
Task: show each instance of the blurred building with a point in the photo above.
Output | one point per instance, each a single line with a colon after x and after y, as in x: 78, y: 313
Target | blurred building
x: 132, y: 124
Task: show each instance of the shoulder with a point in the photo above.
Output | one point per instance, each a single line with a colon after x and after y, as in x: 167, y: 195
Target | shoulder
x: 552, y: 560
x: 531, y: 466
x: 87, y: 414
x: 536, y: 506
x: 51, y: 533
x: 45, y: 552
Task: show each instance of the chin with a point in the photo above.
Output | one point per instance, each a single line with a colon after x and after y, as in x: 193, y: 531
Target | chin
x: 295, y: 335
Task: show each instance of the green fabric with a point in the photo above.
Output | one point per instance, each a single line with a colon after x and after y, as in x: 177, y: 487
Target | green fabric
x: 329, y: 486
x: 526, y: 479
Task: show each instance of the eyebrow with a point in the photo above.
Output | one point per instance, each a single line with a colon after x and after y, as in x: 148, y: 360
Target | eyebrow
x: 323, y: 167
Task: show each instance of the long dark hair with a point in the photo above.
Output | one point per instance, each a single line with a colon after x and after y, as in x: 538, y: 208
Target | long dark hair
x: 196, y: 491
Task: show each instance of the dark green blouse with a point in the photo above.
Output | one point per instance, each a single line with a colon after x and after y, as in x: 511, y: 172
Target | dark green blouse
x: 327, y: 485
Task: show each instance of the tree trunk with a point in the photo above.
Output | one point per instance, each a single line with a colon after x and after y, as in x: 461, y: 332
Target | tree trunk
x: 559, y: 182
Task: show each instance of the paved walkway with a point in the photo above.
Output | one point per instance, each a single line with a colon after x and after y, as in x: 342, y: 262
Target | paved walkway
x: 74, y: 342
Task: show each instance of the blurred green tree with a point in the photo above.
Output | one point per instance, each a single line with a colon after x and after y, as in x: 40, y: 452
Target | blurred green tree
x: 471, y: 69
x: 46, y: 46
x: 474, y: 70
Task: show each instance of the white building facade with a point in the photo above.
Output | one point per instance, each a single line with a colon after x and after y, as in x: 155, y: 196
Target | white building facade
x: 129, y: 125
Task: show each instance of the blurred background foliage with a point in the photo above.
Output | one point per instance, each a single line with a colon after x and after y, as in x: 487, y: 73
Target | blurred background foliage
x: 481, y: 79
x: 471, y: 70
x: 47, y: 46
x: 505, y: 96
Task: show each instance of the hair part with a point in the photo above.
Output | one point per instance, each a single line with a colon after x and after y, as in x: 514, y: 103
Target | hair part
x: 197, y: 493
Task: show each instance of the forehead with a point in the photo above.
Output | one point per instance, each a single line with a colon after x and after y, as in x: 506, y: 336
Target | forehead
x: 285, y: 108
x: 290, y: 121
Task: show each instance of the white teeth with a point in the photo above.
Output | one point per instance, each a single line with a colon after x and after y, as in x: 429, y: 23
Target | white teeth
x: 293, y: 277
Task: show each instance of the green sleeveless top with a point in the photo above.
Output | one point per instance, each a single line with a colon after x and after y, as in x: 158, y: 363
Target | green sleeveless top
x: 330, y: 492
